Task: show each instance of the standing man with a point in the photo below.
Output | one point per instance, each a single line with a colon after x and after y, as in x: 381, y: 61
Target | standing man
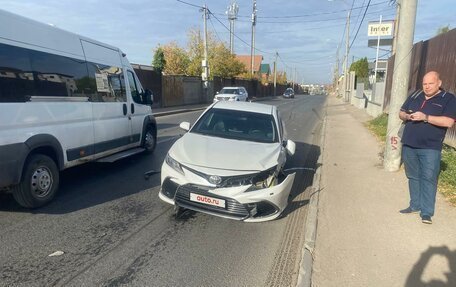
x: 428, y: 114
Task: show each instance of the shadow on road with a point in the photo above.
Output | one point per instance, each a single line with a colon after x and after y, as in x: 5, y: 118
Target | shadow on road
x: 92, y: 184
x: 415, y: 277
x: 305, y: 163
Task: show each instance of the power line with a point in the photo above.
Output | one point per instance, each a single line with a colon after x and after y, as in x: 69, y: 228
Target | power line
x: 213, y: 27
x: 359, y: 27
x: 190, y: 4
x: 313, y: 14
x: 311, y: 20
x: 256, y: 49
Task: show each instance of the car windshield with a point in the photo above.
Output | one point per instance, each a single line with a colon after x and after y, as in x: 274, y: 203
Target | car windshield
x: 229, y: 91
x: 239, y: 125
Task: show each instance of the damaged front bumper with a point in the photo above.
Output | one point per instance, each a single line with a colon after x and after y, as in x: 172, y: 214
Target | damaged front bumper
x: 235, y: 202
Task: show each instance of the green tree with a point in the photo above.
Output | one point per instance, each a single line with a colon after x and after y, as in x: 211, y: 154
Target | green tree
x: 221, y: 62
x: 360, y: 67
x: 159, y: 61
x: 443, y: 29
x: 176, y: 59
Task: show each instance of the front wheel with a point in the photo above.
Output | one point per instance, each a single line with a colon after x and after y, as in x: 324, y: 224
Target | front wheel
x: 150, y: 139
x: 39, y: 184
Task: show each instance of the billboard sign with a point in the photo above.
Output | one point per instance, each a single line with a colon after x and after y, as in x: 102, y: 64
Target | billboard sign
x: 375, y: 29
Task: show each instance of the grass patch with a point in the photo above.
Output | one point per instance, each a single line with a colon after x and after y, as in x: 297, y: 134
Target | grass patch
x: 378, y: 126
x: 447, y: 178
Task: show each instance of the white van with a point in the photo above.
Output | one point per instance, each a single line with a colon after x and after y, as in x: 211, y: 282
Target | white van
x: 64, y: 100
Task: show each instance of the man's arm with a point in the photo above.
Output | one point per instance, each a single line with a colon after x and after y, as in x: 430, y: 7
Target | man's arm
x: 440, y: 121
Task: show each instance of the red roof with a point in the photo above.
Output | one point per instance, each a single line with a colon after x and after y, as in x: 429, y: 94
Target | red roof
x: 246, y: 60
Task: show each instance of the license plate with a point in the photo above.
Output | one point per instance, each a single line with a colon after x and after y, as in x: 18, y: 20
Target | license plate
x: 207, y: 200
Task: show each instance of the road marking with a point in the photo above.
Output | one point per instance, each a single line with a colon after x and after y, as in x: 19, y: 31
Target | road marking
x: 167, y: 140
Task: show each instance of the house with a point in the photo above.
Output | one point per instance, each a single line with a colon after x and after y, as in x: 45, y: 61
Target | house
x: 265, y: 71
x: 246, y: 60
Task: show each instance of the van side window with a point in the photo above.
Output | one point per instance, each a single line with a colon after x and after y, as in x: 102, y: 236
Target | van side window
x: 108, y: 82
x: 26, y: 73
x: 58, y: 76
x: 16, y: 77
x: 133, y: 87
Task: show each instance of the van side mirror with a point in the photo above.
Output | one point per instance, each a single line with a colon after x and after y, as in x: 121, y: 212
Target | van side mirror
x: 148, y: 97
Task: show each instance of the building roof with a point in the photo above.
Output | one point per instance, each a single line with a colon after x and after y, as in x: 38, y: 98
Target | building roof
x: 246, y: 60
x: 265, y: 69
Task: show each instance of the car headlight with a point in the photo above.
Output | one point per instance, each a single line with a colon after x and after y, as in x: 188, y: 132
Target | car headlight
x: 264, y: 179
x: 174, y: 164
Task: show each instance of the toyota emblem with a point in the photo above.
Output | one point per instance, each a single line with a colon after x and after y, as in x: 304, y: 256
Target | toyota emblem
x: 215, y: 179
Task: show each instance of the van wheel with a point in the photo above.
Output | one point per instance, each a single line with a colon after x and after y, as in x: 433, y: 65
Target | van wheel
x: 39, y: 183
x: 150, y: 139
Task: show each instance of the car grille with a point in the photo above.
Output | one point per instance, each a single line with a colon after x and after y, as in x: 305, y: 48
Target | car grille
x: 223, y: 98
x: 233, y: 209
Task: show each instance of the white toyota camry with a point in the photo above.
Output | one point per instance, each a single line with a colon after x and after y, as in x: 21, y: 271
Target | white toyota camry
x: 230, y: 163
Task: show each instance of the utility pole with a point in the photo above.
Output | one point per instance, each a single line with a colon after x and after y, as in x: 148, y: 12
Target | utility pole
x: 232, y: 12
x: 252, y: 47
x: 275, y: 74
x: 204, y: 64
x: 401, y: 77
x: 347, y: 47
x: 396, y: 29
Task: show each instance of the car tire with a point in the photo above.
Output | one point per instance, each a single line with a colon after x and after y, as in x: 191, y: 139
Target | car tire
x: 39, y: 184
x: 150, y: 139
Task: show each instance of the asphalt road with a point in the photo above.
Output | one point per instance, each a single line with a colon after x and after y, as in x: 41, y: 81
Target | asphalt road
x: 113, y: 230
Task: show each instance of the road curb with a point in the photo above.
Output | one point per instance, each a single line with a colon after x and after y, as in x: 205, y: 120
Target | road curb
x: 310, y: 233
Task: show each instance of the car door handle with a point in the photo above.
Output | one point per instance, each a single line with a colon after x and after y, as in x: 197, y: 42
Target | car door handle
x: 124, y: 107
x: 132, y: 108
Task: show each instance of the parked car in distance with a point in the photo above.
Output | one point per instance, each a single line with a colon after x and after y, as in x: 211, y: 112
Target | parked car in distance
x: 230, y: 163
x: 232, y: 94
x: 289, y: 93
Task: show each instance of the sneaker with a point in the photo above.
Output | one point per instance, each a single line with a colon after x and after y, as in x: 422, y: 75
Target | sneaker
x: 426, y: 219
x: 409, y: 210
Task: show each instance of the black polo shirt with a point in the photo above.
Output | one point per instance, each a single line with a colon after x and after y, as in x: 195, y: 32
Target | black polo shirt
x: 425, y: 135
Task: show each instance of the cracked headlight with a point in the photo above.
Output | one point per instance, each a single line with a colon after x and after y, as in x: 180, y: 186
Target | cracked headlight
x: 174, y: 164
x: 265, y: 179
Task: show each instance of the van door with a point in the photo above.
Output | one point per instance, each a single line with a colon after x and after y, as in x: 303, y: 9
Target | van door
x: 138, y: 110
x: 111, y: 114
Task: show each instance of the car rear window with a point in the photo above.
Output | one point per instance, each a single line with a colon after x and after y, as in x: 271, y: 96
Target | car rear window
x: 239, y: 125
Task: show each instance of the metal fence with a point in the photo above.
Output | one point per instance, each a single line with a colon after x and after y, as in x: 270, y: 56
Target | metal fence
x: 184, y: 90
x: 437, y: 54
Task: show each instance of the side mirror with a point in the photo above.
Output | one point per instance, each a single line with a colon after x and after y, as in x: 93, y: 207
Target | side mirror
x: 185, y: 126
x: 290, y: 146
x: 217, y: 93
x: 148, y: 97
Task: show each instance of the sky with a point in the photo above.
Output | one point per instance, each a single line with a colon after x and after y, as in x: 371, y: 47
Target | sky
x: 306, y: 34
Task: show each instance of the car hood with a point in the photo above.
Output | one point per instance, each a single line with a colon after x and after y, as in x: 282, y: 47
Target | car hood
x: 219, y: 153
x: 227, y: 95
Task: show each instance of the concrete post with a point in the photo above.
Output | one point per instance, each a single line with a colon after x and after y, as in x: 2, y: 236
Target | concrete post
x: 401, y: 77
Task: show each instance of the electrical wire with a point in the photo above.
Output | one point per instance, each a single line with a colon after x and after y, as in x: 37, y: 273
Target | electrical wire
x: 309, y: 15
x: 310, y: 20
x: 359, y: 27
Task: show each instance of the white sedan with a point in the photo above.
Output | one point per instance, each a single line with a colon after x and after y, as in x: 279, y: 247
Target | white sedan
x: 232, y: 94
x: 230, y: 163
